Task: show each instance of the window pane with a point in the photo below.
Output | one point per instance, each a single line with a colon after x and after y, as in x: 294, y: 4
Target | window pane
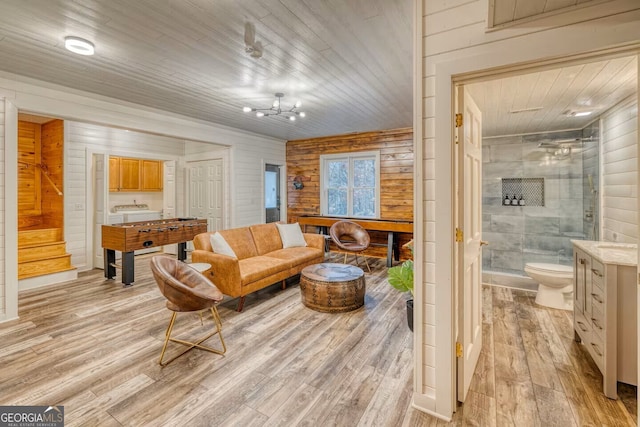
x: 270, y: 183
x: 337, y: 202
x: 364, y: 202
x: 364, y: 173
x: 338, y: 174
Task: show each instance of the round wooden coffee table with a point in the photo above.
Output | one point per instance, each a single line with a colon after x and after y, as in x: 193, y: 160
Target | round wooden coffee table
x: 332, y: 288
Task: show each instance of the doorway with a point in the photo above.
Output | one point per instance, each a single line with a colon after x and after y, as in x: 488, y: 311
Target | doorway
x: 272, y: 193
x: 539, y: 128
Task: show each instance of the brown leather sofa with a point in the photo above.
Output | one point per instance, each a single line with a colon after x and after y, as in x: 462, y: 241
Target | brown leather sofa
x: 261, y: 261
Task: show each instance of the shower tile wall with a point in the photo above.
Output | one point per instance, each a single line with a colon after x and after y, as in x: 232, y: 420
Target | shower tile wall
x: 521, y: 234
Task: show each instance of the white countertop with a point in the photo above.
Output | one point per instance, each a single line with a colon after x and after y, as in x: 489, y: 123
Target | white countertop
x: 610, y: 252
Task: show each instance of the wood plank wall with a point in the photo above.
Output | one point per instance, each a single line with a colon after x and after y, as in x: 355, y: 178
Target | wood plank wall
x: 39, y: 205
x: 28, y: 175
x: 396, y: 175
x: 52, y: 157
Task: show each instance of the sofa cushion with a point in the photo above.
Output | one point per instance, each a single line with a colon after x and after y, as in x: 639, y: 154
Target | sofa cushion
x: 241, y: 241
x: 259, y: 267
x: 296, y: 256
x: 266, y: 238
x: 291, y: 235
x: 220, y: 245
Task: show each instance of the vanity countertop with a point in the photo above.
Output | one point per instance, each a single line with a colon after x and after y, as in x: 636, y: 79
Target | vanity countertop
x: 610, y: 252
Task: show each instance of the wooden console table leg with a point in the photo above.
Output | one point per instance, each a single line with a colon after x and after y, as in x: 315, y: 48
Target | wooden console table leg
x: 389, y: 248
x: 109, y: 256
x: 128, y: 268
x: 396, y: 246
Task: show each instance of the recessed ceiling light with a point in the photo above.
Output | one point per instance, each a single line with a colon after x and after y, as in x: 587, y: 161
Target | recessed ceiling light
x: 79, y: 46
x: 572, y: 113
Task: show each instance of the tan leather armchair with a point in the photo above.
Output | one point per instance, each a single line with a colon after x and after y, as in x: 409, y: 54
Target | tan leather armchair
x: 186, y: 290
x: 350, y: 237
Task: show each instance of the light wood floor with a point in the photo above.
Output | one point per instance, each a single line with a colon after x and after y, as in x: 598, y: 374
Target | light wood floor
x: 92, y: 346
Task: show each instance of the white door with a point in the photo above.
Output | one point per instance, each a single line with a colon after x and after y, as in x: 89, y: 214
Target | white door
x: 469, y: 220
x: 205, y: 192
x: 169, y: 199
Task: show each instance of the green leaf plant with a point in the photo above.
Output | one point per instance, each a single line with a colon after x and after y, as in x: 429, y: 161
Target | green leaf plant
x: 401, y: 276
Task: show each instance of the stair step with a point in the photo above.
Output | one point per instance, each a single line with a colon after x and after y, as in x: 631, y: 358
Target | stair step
x: 41, y: 267
x: 41, y: 251
x: 39, y: 236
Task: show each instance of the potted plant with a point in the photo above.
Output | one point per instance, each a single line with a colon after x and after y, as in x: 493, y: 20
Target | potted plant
x: 401, y: 278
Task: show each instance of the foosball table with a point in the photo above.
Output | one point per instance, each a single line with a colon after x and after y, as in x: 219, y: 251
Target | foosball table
x: 128, y: 237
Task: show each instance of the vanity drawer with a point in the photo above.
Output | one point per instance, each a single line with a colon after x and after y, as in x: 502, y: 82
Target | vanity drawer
x: 582, y: 326
x: 597, y: 273
x: 598, y: 325
x: 596, y: 349
x: 597, y: 298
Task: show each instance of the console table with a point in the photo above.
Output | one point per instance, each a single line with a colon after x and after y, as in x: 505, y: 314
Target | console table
x: 392, y: 227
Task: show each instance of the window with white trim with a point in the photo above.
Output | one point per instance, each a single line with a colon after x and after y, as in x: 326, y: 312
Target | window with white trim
x: 350, y: 184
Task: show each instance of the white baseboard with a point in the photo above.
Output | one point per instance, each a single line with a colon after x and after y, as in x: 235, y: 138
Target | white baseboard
x: 46, y: 280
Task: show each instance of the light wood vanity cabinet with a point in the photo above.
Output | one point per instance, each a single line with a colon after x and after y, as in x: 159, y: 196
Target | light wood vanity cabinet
x: 128, y: 174
x: 605, y: 311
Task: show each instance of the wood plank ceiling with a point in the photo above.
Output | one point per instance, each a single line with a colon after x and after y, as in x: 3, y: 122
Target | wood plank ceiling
x: 348, y: 61
x: 547, y: 100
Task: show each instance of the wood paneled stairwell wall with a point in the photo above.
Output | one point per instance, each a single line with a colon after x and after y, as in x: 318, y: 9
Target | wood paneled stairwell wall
x: 41, y: 245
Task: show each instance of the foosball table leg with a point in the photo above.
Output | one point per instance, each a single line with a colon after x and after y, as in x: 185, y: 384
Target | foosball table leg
x: 128, y: 268
x: 109, y: 256
x: 182, y: 251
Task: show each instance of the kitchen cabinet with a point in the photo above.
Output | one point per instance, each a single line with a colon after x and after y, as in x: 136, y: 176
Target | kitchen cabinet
x: 128, y: 174
x: 151, y: 175
x: 605, y: 310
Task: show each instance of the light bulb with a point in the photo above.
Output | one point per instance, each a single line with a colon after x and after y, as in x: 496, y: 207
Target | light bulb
x: 276, y: 103
x: 292, y: 118
x: 246, y: 109
x: 260, y: 114
x: 302, y: 114
x: 298, y: 104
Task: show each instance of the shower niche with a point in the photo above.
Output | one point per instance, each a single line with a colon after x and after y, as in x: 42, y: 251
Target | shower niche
x: 523, y: 191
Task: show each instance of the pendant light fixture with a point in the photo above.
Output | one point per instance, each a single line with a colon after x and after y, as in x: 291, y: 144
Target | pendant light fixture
x: 277, y: 110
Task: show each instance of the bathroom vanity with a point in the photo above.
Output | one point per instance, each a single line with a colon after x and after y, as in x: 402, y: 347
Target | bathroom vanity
x: 605, y: 308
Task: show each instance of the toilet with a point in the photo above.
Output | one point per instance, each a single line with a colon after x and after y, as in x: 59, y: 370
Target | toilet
x: 555, y: 284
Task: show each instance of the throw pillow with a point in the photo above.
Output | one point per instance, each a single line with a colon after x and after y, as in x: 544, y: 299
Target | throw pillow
x: 291, y: 235
x: 220, y: 246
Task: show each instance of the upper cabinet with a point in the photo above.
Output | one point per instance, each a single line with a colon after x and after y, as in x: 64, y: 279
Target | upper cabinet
x: 151, y: 175
x: 126, y: 174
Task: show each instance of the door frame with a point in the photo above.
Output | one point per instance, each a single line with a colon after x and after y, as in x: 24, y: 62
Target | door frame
x: 283, y: 189
x: 264, y: 190
x: 456, y: 72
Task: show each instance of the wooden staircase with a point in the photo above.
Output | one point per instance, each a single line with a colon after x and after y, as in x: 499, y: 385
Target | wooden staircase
x: 42, y: 251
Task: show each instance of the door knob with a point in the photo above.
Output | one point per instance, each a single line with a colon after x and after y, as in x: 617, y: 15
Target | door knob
x: 483, y: 243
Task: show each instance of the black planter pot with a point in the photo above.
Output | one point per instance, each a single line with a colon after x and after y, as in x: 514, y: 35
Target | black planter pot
x: 410, y: 314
